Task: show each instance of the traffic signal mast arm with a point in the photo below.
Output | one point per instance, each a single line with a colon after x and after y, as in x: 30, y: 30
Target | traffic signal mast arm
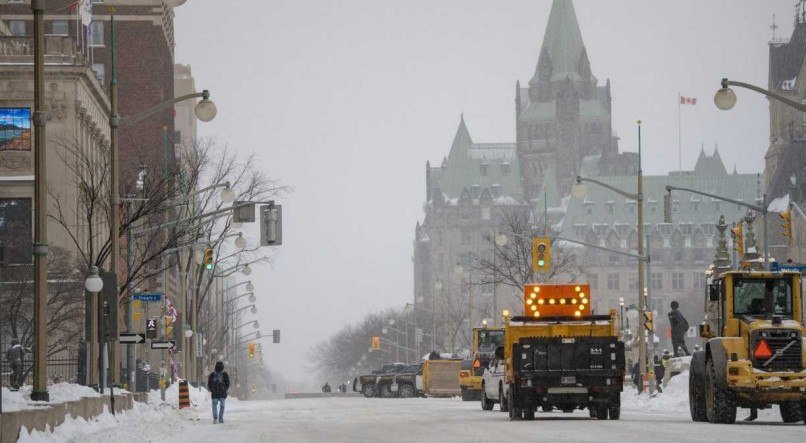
x: 201, y: 216
x: 590, y: 245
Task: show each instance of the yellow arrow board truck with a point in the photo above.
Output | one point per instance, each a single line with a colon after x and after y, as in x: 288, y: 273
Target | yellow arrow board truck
x: 560, y: 356
x: 754, y: 354
x: 485, y: 340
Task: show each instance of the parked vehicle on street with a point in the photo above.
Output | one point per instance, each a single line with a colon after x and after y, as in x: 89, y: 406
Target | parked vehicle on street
x: 492, y: 386
x: 366, y: 384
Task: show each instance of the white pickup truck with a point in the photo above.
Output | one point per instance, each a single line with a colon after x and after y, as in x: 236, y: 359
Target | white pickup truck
x: 492, y: 386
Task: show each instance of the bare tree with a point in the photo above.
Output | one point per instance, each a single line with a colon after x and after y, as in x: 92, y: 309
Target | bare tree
x: 510, y: 264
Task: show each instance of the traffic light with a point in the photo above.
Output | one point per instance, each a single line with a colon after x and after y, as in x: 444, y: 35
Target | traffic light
x: 649, y: 321
x: 541, y: 254
x: 376, y: 343
x: 208, y: 258
x: 169, y: 328
x: 738, y: 240
x: 250, y: 350
x: 271, y: 225
x: 667, y: 208
x: 787, y: 224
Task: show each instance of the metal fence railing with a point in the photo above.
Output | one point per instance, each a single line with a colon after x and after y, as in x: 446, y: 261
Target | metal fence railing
x: 58, y: 370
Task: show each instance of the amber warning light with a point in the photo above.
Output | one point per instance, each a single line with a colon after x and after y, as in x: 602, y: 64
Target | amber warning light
x: 556, y: 300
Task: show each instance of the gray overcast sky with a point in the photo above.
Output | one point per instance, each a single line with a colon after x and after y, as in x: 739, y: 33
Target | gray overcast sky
x: 345, y: 101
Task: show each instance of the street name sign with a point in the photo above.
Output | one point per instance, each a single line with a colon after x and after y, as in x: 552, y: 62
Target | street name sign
x: 169, y: 344
x: 147, y: 296
x: 131, y: 338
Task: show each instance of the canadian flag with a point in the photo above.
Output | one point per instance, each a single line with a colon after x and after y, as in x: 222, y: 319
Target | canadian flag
x: 688, y: 100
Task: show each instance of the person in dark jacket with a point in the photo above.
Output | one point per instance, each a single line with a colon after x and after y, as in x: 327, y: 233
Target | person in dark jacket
x: 218, y: 385
x: 326, y: 388
x: 679, y: 326
x: 636, y: 376
x: 659, y: 372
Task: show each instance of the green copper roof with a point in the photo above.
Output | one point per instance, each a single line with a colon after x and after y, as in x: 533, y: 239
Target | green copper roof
x: 479, y: 164
x: 563, y: 40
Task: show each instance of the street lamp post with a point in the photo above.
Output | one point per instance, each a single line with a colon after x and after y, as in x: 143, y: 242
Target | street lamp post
x: 40, y: 246
x: 437, y: 289
x: 94, y: 284
x: 642, y: 259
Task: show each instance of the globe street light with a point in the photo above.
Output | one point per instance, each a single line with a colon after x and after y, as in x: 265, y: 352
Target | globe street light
x: 250, y: 287
x: 206, y: 109
x: 256, y: 325
x: 94, y: 284
x: 227, y: 194
x: 725, y: 98
x: 174, y: 3
x: 188, y: 333
x: 240, y: 241
x: 246, y: 270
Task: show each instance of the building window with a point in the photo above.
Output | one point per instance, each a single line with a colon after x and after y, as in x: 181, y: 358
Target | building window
x: 59, y: 27
x: 100, y: 71
x: 589, y: 208
x: 17, y: 27
x: 16, y: 230
x: 505, y: 168
x: 677, y: 256
x: 593, y: 279
x: 483, y: 170
x: 614, y: 259
x: 698, y: 280
x: 580, y: 230
x: 677, y: 281
x: 657, y: 280
x: 699, y: 255
x: 612, y: 282
x: 653, y: 207
x: 96, y: 33
x: 610, y: 207
x: 15, y: 130
x: 675, y: 206
x: 695, y: 207
x: 631, y: 207
x: 633, y: 284
x: 495, y: 190
x: 685, y: 229
x: 601, y: 230
x: 717, y: 206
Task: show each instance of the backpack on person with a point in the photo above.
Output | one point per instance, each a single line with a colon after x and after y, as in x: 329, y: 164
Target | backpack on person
x: 217, y: 382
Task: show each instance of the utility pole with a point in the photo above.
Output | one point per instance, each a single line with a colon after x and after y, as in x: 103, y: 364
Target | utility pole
x: 641, y: 276
x: 114, y: 219
x: 40, y: 247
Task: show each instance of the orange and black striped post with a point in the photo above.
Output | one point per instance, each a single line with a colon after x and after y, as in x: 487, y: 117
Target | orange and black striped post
x: 184, y: 394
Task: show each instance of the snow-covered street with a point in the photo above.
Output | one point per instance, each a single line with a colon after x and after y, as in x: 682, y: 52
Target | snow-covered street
x: 451, y: 420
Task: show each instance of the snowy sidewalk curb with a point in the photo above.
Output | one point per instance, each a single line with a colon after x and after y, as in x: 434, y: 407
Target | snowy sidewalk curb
x: 49, y: 415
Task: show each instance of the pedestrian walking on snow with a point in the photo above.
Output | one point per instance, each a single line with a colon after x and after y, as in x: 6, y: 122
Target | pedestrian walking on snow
x: 218, y: 385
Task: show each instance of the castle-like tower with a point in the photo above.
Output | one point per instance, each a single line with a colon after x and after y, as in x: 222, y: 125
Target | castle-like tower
x: 563, y: 115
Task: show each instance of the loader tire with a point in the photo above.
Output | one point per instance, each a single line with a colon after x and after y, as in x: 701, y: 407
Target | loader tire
x: 791, y: 412
x: 720, y: 402
x: 696, y: 397
x: 514, y: 411
x: 614, y: 407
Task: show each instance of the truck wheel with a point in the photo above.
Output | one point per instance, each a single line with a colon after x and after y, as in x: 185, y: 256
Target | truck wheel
x: 514, y: 411
x: 385, y: 390
x: 720, y: 403
x: 614, y: 407
x: 601, y: 411
x: 465, y: 395
x: 368, y: 391
x: 405, y: 391
x: 791, y: 412
x: 529, y: 413
x: 696, y: 399
x: 502, y: 400
x: 486, y: 403
x: 591, y: 411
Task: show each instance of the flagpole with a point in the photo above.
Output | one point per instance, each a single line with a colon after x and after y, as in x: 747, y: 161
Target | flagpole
x: 679, y: 134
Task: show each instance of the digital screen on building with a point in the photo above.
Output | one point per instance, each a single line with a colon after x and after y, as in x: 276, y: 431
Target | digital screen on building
x: 15, y: 129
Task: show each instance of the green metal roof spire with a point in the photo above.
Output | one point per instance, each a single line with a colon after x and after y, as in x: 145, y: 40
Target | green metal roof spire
x: 563, y: 41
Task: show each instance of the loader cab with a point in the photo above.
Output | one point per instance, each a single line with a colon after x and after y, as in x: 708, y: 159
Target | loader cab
x: 746, y: 297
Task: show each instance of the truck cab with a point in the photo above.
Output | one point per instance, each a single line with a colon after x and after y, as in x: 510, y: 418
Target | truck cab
x: 753, y: 353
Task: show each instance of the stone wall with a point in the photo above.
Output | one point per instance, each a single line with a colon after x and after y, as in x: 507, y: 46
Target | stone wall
x: 54, y: 414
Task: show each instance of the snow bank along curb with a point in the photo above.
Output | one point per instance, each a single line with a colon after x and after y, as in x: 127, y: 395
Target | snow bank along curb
x: 49, y: 415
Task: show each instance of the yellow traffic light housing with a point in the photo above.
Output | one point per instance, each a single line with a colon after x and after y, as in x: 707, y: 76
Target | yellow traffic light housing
x: 250, y: 349
x: 541, y: 254
x: 376, y: 343
x: 649, y: 321
x: 787, y: 224
x: 208, y: 259
x: 738, y: 240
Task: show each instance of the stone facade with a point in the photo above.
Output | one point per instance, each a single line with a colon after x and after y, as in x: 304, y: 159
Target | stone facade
x: 78, y: 110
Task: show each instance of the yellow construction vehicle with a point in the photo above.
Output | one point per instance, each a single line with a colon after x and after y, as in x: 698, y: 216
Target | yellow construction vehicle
x: 559, y: 355
x: 753, y: 355
x: 485, y: 340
